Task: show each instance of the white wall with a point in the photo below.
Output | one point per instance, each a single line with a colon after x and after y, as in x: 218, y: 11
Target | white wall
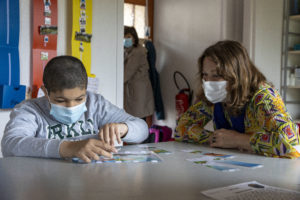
x: 107, y: 48
x: 263, y: 36
x: 182, y: 30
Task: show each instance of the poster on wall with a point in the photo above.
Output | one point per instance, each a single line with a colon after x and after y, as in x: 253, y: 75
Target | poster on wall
x: 11, y: 92
x: 82, y: 32
x: 44, y: 39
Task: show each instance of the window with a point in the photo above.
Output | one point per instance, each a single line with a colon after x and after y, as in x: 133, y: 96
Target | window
x: 134, y: 15
x: 139, y: 13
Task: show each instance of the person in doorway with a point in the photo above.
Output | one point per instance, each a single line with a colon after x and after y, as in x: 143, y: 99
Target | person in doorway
x: 246, y: 110
x: 69, y: 121
x: 138, y: 93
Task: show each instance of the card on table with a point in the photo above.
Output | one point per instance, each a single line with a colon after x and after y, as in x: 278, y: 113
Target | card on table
x: 155, y: 149
x: 124, y: 158
x: 212, y: 162
x: 127, y: 155
x: 239, y: 163
x: 208, y: 153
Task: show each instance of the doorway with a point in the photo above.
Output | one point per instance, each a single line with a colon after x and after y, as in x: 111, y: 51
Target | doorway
x: 139, y: 14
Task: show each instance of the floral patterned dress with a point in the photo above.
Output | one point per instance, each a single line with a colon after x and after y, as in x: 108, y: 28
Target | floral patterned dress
x: 267, y: 121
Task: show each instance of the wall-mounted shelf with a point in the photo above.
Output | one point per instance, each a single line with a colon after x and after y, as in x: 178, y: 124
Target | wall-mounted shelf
x: 297, y: 121
x: 292, y: 102
x: 294, y: 33
x: 293, y: 87
x: 294, y: 52
x: 295, y: 17
x: 290, y: 90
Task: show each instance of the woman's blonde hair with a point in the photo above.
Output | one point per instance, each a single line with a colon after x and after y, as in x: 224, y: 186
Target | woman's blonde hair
x: 235, y: 66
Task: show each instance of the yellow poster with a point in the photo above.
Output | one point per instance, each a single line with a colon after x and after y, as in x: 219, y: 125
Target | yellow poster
x: 82, y: 32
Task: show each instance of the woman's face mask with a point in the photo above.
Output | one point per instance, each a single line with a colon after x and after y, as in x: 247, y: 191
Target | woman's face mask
x: 215, y: 91
x: 128, y: 42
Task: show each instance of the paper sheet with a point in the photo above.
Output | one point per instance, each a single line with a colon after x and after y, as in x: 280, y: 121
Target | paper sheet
x: 252, y: 191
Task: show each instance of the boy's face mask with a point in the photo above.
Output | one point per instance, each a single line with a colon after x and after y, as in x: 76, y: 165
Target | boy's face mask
x: 67, y: 115
x: 127, y: 42
x: 215, y: 91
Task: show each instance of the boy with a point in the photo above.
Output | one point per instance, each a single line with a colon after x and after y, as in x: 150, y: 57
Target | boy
x: 68, y: 121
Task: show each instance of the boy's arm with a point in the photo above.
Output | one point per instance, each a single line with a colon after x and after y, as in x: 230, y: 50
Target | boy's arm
x: 108, y: 113
x: 19, y: 136
x: 86, y: 150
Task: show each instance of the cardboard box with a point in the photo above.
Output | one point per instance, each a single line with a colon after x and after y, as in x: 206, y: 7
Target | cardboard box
x: 11, y: 95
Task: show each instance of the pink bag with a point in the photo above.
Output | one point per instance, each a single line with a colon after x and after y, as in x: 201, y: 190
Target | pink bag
x: 159, y: 134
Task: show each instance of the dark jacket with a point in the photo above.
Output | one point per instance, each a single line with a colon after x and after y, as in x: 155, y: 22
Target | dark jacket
x: 154, y: 78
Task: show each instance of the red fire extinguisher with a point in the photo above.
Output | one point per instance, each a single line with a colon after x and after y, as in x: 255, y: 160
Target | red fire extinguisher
x: 184, y: 96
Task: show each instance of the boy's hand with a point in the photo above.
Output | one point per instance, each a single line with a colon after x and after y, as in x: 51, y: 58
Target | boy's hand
x: 113, y: 131
x: 86, y: 150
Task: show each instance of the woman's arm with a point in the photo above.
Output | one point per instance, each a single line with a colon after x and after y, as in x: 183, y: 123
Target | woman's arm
x: 191, y: 124
x: 277, y: 134
x: 225, y: 138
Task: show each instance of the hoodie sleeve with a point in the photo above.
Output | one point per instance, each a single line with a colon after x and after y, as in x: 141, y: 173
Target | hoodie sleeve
x: 20, y: 139
x: 109, y: 113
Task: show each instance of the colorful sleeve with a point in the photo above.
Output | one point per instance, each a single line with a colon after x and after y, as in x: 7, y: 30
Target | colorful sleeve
x: 191, y: 124
x: 278, y: 134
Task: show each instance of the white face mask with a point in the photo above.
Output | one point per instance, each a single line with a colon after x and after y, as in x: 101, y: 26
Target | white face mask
x: 215, y: 91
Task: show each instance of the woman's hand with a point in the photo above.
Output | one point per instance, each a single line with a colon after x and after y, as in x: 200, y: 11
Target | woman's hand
x: 86, y: 150
x: 113, y: 131
x: 225, y: 138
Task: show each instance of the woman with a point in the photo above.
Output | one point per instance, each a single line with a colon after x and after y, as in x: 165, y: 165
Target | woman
x: 138, y: 94
x: 247, y: 112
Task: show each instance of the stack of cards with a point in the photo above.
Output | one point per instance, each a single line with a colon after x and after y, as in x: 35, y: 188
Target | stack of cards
x: 126, y: 156
x: 155, y: 149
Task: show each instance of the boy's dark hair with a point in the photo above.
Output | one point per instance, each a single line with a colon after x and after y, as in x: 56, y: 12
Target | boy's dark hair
x: 131, y: 30
x: 64, y: 72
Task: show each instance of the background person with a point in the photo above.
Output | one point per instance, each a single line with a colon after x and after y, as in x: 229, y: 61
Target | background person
x: 138, y: 93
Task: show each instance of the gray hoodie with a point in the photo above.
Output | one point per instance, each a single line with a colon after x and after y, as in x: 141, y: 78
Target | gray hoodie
x: 32, y: 131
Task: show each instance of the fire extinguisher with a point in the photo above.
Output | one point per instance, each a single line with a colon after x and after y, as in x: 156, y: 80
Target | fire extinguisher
x: 184, y: 96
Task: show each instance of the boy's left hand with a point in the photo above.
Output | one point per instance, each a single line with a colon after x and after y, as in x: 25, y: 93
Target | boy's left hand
x: 113, y: 131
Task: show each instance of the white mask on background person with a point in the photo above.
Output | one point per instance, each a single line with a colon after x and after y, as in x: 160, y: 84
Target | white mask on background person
x: 215, y: 91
